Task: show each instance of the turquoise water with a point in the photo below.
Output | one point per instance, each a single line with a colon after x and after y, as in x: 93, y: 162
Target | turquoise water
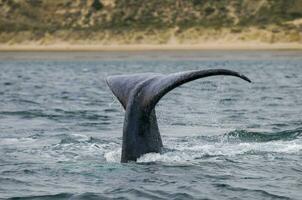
x: 61, y: 127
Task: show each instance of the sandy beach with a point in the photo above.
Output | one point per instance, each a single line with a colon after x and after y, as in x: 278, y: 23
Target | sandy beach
x: 143, y: 47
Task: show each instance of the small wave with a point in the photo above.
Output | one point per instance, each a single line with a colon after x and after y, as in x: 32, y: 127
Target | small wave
x: 74, y: 138
x: 122, y: 193
x: 48, y: 197
x: 75, y: 147
x: 243, y: 135
x: 248, y: 192
x: 66, y: 138
x: 11, y: 181
x: 58, y: 114
x: 29, y: 114
x: 12, y: 141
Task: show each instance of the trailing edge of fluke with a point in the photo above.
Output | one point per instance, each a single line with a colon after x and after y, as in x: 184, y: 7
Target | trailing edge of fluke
x: 139, y: 94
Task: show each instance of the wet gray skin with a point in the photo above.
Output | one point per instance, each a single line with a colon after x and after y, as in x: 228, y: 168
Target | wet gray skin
x: 139, y: 94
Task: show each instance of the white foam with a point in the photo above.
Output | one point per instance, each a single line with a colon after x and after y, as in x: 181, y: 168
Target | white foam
x: 113, y: 156
x: 169, y: 157
x: 186, y: 151
x: 180, y: 151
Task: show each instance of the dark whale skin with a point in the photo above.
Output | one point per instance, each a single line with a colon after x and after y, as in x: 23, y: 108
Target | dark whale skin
x: 139, y: 94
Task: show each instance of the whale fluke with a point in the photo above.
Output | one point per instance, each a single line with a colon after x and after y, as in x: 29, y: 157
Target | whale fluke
x: 121, y: 85
x: 139, y: 94
x: 164, y: 84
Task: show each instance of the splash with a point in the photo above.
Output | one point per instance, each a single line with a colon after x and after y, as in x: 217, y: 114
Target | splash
x: 232, y: 144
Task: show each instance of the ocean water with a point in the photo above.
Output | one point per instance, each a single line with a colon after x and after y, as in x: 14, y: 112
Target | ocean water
x: 224, y: 138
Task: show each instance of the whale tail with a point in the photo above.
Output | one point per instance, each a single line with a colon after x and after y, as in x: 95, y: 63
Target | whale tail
x: 157, y: 85
x: 139, y: 93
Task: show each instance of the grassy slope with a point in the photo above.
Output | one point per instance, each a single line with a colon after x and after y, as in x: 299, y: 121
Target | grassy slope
x: 151, y: 22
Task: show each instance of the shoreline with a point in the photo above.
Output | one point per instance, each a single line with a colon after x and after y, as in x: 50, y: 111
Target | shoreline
x: 152, y: 47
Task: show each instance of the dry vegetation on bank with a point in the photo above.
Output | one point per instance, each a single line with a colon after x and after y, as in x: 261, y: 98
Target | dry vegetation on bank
x: 115, y: 22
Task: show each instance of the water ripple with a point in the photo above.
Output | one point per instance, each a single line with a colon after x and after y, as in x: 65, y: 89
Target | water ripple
x: 61, y: 128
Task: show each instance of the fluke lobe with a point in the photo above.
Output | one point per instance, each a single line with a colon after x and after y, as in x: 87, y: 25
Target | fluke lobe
x: 139, y: 93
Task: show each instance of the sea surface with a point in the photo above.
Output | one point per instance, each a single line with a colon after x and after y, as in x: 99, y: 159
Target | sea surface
x: 224, y: 138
